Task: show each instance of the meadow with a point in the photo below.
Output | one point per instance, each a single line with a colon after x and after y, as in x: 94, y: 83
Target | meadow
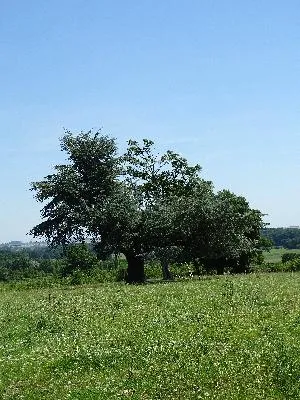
x: 275, y: 254
x: 229, y: 337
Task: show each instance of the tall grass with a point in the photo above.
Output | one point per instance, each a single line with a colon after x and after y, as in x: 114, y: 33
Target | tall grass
x: 217, y: 338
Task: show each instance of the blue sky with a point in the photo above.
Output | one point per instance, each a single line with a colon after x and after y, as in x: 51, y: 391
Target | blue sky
x: 217, y: 81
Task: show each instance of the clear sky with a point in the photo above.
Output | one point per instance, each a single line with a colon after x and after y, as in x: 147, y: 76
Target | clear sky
x: 217, y: 81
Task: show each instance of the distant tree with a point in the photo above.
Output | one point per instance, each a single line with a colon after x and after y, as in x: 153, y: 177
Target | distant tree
x: 288, y: 238
x: 15, y: 265
x: 45, y: 252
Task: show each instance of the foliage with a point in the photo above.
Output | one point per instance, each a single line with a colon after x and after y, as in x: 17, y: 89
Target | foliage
x: 16, y: 265
x: 142, y: 204
x: 218, y: 338
x: 78, y: 258
x: 294, y: 264
x: 288, y: 238
x: 275, y: 254
x: 289, y: 257
x: 75, y: 189
x: 288, y: 266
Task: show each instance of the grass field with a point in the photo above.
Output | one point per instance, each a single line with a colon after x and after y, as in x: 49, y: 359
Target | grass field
x: 218, y: 338
x: 274, y: 255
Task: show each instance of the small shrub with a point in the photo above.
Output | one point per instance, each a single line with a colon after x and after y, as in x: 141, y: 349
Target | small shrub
x: 183, y: 270
x: 289, y: 266
x: 153, y: 270
x: 78, y: 257
x: 119, y: 274
x: 289, y: 257
x: 77, y: 277
x: 294, y: 264
x: 4, y: 274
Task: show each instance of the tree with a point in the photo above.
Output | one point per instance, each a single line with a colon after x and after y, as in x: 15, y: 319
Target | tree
x: 109, y: 199
x: 76, y: 189
x: 78, y: 258
x: 288, y: 238
x: 239, y: 228
x: 140, y: 203
x: 155, y: 180
x: 224, y: 232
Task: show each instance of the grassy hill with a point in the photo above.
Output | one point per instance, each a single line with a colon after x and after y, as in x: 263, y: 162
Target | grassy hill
x: 218, y: 338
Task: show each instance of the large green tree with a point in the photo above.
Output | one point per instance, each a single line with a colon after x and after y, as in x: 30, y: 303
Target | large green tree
x: 217, y: 231
x: 140, y: 203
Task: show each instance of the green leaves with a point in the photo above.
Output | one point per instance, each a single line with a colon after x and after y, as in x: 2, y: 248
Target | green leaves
x: 140, y: 203
x: 75, y: 190
x: 153, y: 177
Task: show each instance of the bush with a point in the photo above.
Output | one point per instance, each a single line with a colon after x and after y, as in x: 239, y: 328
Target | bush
x: 4, y: 274
x: 289, y: 266
x: 78, y: 257
x: 293, y: 265
x: 289, y: 257
x: 153, y: 270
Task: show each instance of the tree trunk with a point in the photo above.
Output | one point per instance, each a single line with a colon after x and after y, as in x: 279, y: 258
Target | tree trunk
x: 165, y: 270
x: 242, y: 266
x: 135, y: 269
x: 220, y: 267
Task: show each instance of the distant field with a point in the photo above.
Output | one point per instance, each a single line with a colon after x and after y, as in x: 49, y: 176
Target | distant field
x: 275, y: 254
x: 219, y: 338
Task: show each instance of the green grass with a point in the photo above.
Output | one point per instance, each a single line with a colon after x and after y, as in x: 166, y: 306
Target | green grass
x: 274, y: 255
x: 218, y: 338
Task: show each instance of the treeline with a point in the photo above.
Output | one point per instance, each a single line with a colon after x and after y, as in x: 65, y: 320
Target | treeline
x: 28, y: 263
x: 289, y: 238
x: 57, y: 263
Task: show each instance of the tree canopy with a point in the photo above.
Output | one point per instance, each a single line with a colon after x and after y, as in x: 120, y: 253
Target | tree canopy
x: 288, y: 238
x: 141, y: 203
